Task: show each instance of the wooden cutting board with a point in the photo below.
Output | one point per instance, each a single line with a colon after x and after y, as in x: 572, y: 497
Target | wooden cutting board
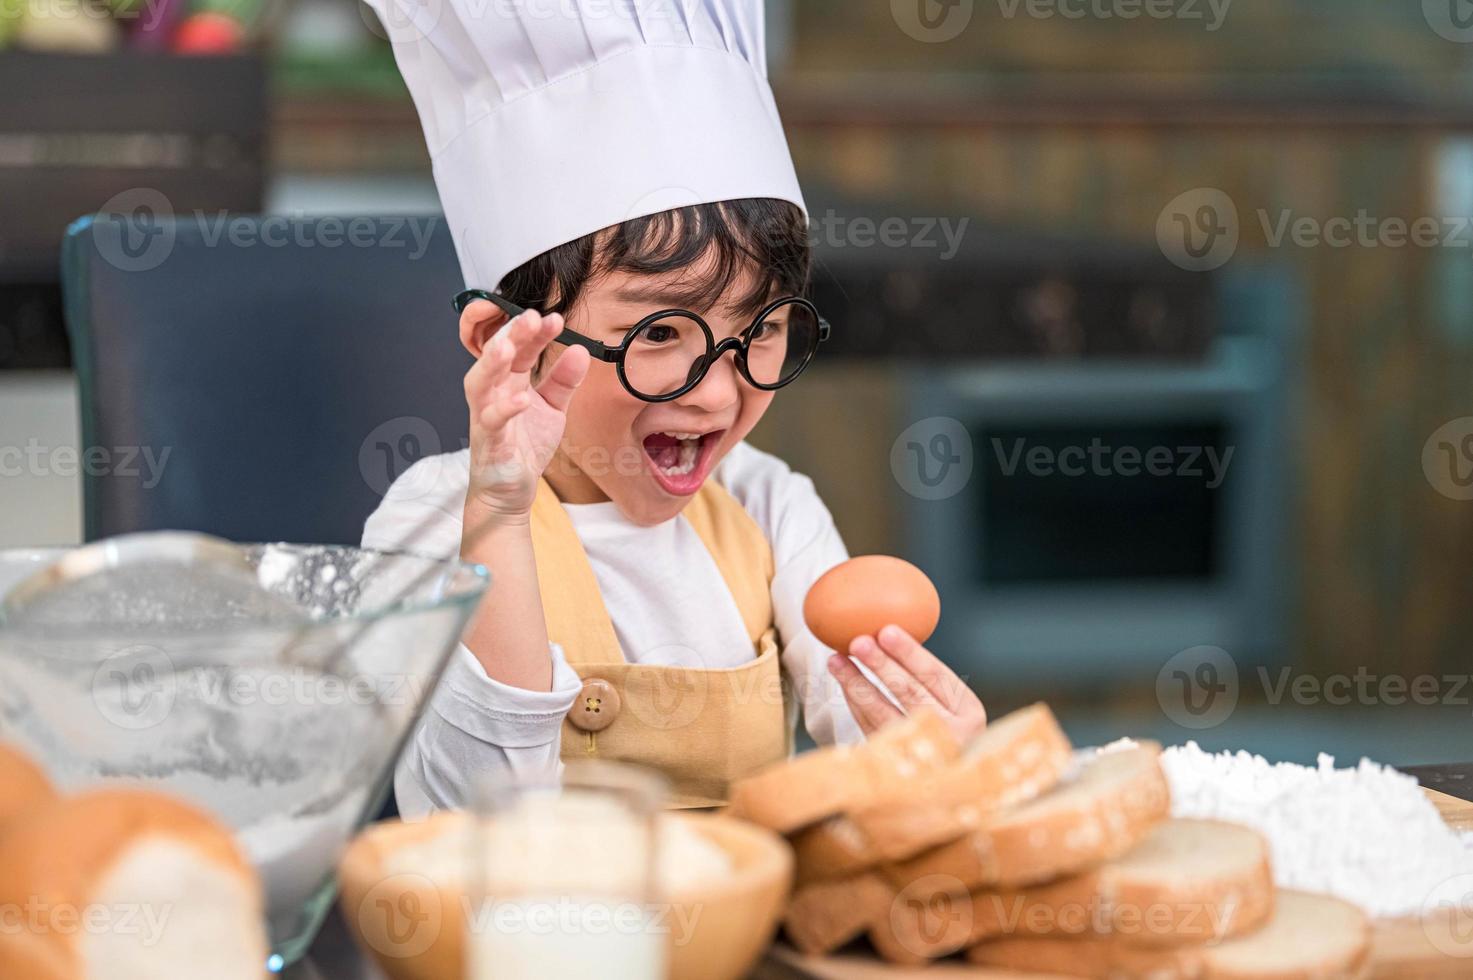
x: 1405, y: 949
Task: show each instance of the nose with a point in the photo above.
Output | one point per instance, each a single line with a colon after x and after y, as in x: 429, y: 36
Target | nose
x: 719, y: 388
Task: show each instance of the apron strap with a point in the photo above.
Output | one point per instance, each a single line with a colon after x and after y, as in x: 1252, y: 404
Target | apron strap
x: 577, y: 619
x: 572, y: 604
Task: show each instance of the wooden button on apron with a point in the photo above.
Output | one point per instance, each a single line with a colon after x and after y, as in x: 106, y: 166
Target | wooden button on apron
x: 597, y: 706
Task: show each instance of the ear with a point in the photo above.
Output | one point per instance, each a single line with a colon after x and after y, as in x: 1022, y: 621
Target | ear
x: 479, y: 322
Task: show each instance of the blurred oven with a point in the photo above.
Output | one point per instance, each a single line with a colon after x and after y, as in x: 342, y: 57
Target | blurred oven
x: 128, y: 132
x: 1116, y: 511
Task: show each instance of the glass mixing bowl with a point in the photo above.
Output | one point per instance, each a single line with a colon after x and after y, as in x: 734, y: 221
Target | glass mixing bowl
x: 283, y: 718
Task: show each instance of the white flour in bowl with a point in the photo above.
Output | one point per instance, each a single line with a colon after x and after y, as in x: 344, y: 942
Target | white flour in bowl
x: 1368, y: 834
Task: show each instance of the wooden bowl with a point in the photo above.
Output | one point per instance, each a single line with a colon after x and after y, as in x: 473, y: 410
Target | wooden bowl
x: 412, y: 919
x: 733, y: 921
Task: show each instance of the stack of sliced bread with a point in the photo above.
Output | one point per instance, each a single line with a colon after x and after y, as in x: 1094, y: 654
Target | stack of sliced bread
x: 1032, y: 858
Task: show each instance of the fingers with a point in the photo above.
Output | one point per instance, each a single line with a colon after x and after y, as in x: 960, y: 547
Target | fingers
x: 939, y: 680
x: 566, y: 374
x: 871, y: 709
x: 907, y: 690
x: 509, y: 356
x: 502, y: 404
x: 529, y: 336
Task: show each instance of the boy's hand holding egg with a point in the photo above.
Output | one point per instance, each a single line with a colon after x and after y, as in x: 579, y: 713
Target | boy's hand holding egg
x: 880, y: 610
x: 516, y: 420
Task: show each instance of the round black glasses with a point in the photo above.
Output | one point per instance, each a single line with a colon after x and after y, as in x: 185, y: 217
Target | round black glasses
x: 667, y: 353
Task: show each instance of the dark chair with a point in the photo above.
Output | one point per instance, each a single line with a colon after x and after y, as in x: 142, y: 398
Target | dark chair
x: 261, y: 379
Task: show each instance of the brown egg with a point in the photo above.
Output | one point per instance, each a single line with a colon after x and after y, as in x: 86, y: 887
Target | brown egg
x: 866, y: 593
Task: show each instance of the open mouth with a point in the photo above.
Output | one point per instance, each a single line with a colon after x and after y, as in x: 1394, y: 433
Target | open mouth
x: 680, y: 461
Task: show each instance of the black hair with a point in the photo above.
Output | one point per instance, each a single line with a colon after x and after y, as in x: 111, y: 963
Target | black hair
x: 769, y: 234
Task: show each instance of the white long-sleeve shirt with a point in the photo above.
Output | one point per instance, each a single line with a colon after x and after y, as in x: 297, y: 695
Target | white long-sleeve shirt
x: 664, y: 593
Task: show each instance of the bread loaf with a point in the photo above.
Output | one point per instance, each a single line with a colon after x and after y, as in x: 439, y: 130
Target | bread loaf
x: 1308, y: 937
x: 829, y: 914
x: 1109, y: 806
x: 792, y: 794
x: 1188, y: 881
x: 1013, y: 760
x: 128, y: 885
x: 22, y: 784
x: 833, y: 848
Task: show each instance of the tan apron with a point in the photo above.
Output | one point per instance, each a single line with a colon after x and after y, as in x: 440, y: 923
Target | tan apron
x: 701, y: 728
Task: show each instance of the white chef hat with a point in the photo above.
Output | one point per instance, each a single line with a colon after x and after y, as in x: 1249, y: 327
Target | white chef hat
x: 548, y: 120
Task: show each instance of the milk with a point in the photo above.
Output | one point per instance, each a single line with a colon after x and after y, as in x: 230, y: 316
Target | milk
x: 532, y: 938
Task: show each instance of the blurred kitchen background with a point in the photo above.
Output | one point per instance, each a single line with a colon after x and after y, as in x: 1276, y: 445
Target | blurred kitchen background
x: 1048, y: 235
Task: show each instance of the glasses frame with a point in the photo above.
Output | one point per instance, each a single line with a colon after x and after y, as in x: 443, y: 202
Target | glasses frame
x: 714, y: 349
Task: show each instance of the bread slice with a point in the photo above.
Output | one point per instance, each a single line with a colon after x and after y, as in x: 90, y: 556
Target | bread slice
x: 22, y: 784
x: 161, y: 888
x: 796, y: 793
x: 1108, y: 807
x: 1012, y: 761
x: 833, y: 848
x: 1308, y: 937
x: 825, y: 916
x: 1188, y: 881
x: 922, y: 924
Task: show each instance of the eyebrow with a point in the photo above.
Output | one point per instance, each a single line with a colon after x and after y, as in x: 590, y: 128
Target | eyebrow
x: 656, y: 295
x: 674, y: 297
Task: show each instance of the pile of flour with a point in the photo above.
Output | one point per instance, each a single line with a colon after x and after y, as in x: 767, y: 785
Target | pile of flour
x: 1368, y: 834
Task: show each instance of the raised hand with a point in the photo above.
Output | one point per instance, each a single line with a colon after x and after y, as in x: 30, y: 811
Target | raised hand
x: 913, y: 675
x: 516, y: 421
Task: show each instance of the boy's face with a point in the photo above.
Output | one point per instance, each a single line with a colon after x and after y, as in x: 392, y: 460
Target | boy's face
x: 639, y: 454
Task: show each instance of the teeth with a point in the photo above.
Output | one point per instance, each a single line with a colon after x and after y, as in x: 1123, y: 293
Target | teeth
x: 685, y: 461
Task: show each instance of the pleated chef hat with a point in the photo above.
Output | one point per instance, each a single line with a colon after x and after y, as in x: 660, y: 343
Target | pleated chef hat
x: 548, y: 120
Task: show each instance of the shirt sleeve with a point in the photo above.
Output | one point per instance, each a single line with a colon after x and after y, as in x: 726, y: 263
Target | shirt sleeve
x: 474, y: 727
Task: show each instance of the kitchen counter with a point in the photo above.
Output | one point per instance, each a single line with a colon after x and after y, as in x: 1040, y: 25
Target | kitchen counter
x: 334, y: 956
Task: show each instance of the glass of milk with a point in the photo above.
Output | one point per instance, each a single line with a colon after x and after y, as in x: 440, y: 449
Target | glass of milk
x: 565, y: 881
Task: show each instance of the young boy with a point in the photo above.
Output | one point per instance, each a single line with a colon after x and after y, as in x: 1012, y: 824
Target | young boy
x: 648, y: 566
